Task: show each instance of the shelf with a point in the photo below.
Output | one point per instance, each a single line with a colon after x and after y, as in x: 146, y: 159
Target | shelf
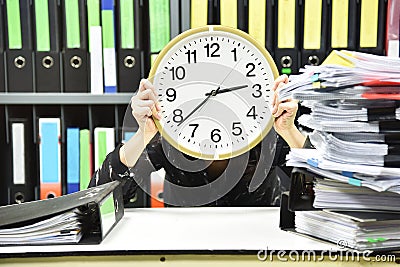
x: 63, y: 98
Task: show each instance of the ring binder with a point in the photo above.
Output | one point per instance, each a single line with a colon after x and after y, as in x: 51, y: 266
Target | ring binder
x: 19, y: 48
x: 47, y: 45
x: 75, y: 54
x: 101, y: 208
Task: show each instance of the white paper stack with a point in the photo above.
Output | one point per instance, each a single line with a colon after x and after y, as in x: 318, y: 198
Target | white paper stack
x: 355, y: 117
x: 63, y: 228
x: 357, y: 230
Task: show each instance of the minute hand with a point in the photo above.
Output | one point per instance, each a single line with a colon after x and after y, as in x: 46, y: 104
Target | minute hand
x: 230, y: 89
x: 194, y: 110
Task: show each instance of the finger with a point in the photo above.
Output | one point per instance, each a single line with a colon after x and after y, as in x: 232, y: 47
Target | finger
x: 150, y: 104
x: 141, y: 112
x: 274, y: 101
x: 149, y: 85
x: 290, y: 107
x: 142, y: 85
x: 147, y: 94
x: 281, y: 79
x: 146, y: 103
x: 145, y: 84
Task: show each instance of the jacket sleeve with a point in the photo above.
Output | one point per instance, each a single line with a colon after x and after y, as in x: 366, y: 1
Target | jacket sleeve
x: 113, y: 169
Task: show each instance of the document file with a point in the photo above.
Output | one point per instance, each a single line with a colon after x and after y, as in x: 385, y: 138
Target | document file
x: 232, y: 13
x: 372, y: 26
x: 129, y: 28
x: 104, y: 143
x: 84, y: 217
x: 50, y: 157
x: 72, y: 160
x: 163, y: 25
x: 85, y: 159
x: 260, y: 11
x: 95, y: 47
x: 355, y: 229
x: 108, y: 35
x: 314, y: 22
x: 75, y: 52
x: 287, y: 29
x: 20, y: 184
x: 342, y: 28
x: 47, y: 46
x: 19, y: 46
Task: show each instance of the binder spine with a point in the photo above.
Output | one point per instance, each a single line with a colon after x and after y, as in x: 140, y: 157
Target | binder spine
x: 371, y: 26
x: 2, y: 58
x: 287, y: 25
x: 20, y: 185
x: 314, y: 28
x: 49, y: 157
x: 129, y: 29
x: 72, y: 160
x: 75, y: 52
x: 108, y: 34
x: 47, y: 49
x: 342, y: 26
x: 19, y: 58
x: 257, y: 13
x: 95, y: 47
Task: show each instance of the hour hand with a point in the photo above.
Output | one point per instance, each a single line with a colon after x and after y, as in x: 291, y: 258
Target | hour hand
x: 230, y: 89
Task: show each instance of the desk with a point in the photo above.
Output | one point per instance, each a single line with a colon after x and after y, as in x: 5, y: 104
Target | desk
x: 179, y: 236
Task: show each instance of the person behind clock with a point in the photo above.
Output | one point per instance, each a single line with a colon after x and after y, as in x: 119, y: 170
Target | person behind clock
x: 128, y: 165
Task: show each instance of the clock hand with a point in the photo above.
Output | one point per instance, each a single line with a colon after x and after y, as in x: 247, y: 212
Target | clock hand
x: 234, y: 66
x: 226, y: 90
x: 195, y: 109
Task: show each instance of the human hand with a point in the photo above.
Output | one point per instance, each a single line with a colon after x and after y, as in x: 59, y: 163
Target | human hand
x: 144, y: 104
x: 283, y: 111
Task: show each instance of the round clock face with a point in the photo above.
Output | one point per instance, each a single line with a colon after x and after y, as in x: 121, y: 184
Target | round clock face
x: 214, y: 88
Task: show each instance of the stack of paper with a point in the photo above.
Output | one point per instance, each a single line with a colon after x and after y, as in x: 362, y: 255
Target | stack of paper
x: 374, y: 177
x: 355, y: 114
x: 63, y: 228
x: 353, y: 134
x: 344, y: 71
x: 330, y: 194
x: 358, y: 230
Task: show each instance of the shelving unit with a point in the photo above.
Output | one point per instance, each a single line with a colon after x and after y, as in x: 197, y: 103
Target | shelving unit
x: 82, y: 110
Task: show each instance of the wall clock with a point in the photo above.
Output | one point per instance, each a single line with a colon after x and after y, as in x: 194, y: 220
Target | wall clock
x: 214, y: 87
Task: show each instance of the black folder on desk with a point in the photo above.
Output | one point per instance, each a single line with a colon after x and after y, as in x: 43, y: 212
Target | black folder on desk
x: 101, y: 208
x: 19, y: 46
x: 47, y: 48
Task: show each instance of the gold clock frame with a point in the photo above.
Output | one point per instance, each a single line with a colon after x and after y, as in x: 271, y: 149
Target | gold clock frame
x: 212, y: 28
